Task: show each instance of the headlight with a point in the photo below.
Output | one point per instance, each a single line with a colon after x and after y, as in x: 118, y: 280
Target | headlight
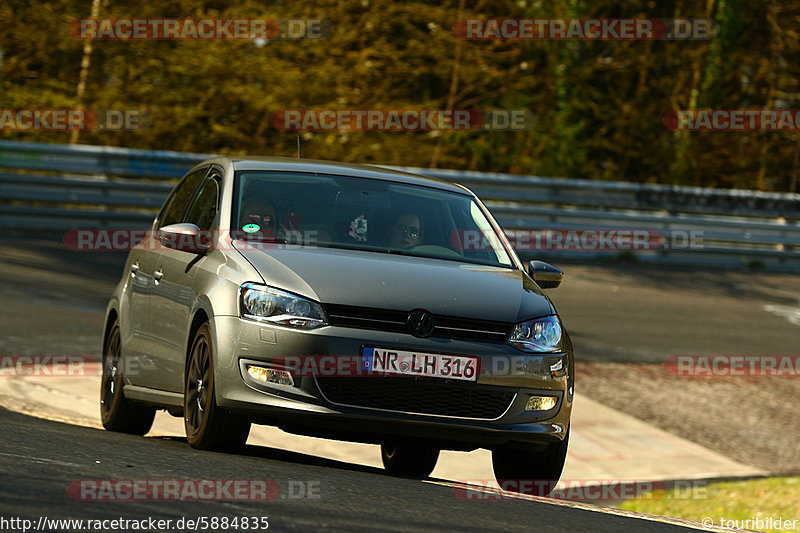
x: 260, y: 302
x: 541, y: 335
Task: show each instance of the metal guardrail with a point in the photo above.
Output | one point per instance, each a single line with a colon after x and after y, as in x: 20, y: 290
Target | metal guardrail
x: 97, y: 160
x: 52, y: 187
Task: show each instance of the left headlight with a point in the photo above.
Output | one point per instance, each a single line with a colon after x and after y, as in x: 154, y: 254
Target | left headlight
x: 542, y: 335
x: 261, y: 302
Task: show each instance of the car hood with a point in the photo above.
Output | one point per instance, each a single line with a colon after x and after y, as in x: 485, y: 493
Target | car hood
x: 391, y: 281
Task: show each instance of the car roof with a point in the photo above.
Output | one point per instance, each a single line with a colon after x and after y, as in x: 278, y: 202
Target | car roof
x: 287, y: 164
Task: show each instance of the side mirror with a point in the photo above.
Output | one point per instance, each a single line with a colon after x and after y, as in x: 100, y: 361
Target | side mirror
x: 544, y: 274
x: 185, y: 237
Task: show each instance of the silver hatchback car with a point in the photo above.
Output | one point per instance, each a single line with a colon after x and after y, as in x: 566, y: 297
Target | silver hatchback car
x: 341, y: 301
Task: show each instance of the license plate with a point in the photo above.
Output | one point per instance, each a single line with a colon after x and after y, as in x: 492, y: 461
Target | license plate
x: 398, y: 362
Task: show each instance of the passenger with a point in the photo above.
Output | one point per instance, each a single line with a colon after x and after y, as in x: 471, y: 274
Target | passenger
x: 406, y: 231
x: 257, y: 220
x: 259, y: 212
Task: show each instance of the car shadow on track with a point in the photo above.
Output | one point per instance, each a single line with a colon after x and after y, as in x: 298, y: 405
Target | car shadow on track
x: 285, y: 456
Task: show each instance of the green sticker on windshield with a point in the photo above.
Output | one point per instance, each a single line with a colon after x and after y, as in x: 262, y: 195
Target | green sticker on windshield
x: 251, y: 228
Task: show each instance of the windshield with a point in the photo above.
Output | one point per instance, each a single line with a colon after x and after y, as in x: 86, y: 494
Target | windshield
x: 363, y: 214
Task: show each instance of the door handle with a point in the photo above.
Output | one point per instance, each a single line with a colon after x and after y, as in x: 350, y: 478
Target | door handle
x: 158, y: 274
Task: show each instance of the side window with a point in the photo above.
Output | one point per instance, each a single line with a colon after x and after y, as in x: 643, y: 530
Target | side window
x: 179, y: 199
x: 204, y: 206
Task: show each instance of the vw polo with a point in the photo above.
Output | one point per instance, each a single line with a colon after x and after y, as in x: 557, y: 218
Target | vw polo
x: 255, y: 266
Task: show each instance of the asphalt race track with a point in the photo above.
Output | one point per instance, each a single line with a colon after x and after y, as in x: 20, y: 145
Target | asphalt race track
x: 39, y: 458
x: 53, y: 301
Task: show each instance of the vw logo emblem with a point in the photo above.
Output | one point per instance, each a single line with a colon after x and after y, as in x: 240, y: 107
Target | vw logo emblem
x: 420, y: 323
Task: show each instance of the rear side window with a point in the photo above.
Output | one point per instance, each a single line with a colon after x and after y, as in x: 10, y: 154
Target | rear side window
x: 204, y: 206
x: 176, y: 205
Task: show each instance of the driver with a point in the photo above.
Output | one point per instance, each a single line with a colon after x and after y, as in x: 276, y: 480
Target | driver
x: 406, y: 231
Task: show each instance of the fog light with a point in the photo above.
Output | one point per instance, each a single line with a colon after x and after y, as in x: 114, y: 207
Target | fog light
x: 270, y: 375
x: 541, y: 403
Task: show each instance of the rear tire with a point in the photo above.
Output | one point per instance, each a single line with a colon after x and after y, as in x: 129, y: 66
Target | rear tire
x: 116, y: 412
x: 534, y: 471
x: 409, y: 459
x: 208, y: 427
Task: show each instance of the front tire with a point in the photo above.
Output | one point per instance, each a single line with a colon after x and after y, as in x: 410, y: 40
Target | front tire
x: 408, y: 459
x: 534, y: 471
x: 116, y: 412
x: 208, y: 427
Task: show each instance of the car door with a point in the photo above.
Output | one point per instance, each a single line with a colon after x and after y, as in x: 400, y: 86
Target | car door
x: 150, y: 347
x: 175, y: 290
x: 136, y: 344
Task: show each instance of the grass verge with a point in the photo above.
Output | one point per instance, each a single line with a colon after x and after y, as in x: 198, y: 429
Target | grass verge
x: 764, y: 498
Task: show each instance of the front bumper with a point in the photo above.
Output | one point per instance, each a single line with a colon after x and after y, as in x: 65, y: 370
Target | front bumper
x: 305, y: 408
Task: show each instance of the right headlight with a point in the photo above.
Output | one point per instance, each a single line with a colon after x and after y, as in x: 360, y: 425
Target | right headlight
x: 262, y: 302
x: 541, y: 335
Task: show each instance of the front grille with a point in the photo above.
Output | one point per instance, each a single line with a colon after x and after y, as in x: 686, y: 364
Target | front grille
x: 391, y: 320
x: 420, y: 396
